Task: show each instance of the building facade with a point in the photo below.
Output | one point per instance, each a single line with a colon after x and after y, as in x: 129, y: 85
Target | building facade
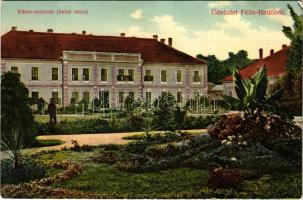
x: 275, y: 63
x: 75, y: 67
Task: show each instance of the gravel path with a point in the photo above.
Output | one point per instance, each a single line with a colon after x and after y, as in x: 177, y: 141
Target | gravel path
x: 89, y: 139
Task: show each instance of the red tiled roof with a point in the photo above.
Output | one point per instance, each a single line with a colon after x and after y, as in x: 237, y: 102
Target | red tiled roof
x: 275, y: 65
x: 41, y: 45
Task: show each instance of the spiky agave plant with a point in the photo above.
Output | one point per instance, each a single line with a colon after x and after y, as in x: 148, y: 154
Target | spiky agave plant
x: 13, y: 143
x: 251, y: 93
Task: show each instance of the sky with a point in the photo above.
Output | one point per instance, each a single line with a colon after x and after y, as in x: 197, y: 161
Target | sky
x: 191, y: 24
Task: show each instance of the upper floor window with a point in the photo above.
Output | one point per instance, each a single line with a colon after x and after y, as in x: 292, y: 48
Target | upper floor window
x: 35, y: 73
x: 85, y: 74
x: 103, y: 75
x: 75, y: 74
x: 55, y: 74
x: 163, y: 76
x: 130, y: 74
x: 197, y: 77
x: 148, y: 76
x: 120, y: 76
x: 179, y: 76
x: 14, y: 69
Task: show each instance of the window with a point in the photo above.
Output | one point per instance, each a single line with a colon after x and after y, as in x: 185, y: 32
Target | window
x: 120, y: 76
x: 104, y: 96
x: 130, y: 75
x: 148, y: 72
x: 35, y: 96
x: 55, y: 96
x: 196, y: 94
x: 121, y: 97
x: 86, y: 97
x: 179, y: 76
x: 75, y: 74
x: 164, y: 94
x: 179, y: 97
x: 163, y: 76
x: 35, y: 73
x: 148, y: 76
x: 14, y: 69
x: 75, y: 97
x: 131, y: 94
x: 148, y: 97
x: 55, y: 75
x: 197, y: 77
x: 103, y: 75
x: 85, y: 74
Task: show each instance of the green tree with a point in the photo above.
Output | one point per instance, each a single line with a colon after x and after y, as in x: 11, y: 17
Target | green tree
x: 15, y: 110
x: 295, y: 35
x: 290, y: 102
x: 219, y: 69
x: 164, y: 112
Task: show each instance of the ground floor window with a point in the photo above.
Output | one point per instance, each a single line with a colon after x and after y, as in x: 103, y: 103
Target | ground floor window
x: 121, y: 97
x: 104, y: 97
x: 86, y: 97
x: 148, y: 98
x: 35, y: 97
x: 179, y: 97
x: 14, y: 70
x: 55, y: 96
x: 75, y: 97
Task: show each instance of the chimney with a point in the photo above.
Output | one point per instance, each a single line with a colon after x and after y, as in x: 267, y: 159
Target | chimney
x: 31, y: 30
x: 84, y: 32
x: 284, y: 46
x: 122, y: 34
x: 50, y: 30
x: 272, y: 52
x: 14, y: 28
x: 162, y: 40
x: 260, y: 53
x: 155, y: 37
x: 170, y: 42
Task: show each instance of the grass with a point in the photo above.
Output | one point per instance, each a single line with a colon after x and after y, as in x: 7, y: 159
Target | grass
x: 105, y: 180
x: 45, y: 118
x: 46, y: 143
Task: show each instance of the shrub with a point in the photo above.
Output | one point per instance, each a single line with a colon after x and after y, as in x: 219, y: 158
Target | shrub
x: 27, y: 171
x: 199, y: 122
x: 109, y: 157
x: 77, y: 147
x: 224, y: 178
x: 260, y: 128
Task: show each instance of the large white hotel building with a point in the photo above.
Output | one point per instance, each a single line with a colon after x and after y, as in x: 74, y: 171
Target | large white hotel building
x: 71, y: 66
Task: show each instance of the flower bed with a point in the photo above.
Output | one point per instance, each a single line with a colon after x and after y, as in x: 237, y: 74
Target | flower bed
x: 40, y: 189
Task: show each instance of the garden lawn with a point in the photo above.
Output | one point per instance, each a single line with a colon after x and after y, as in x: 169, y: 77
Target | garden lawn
x: 45, y: 118
x: 108, y: 182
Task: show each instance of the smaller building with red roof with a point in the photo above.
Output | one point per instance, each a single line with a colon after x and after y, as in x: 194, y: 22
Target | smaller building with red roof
x: 275, y: 64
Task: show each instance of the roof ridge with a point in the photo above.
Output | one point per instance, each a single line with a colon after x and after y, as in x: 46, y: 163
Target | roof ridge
x: 49, y: 45
x: 79, y: 34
